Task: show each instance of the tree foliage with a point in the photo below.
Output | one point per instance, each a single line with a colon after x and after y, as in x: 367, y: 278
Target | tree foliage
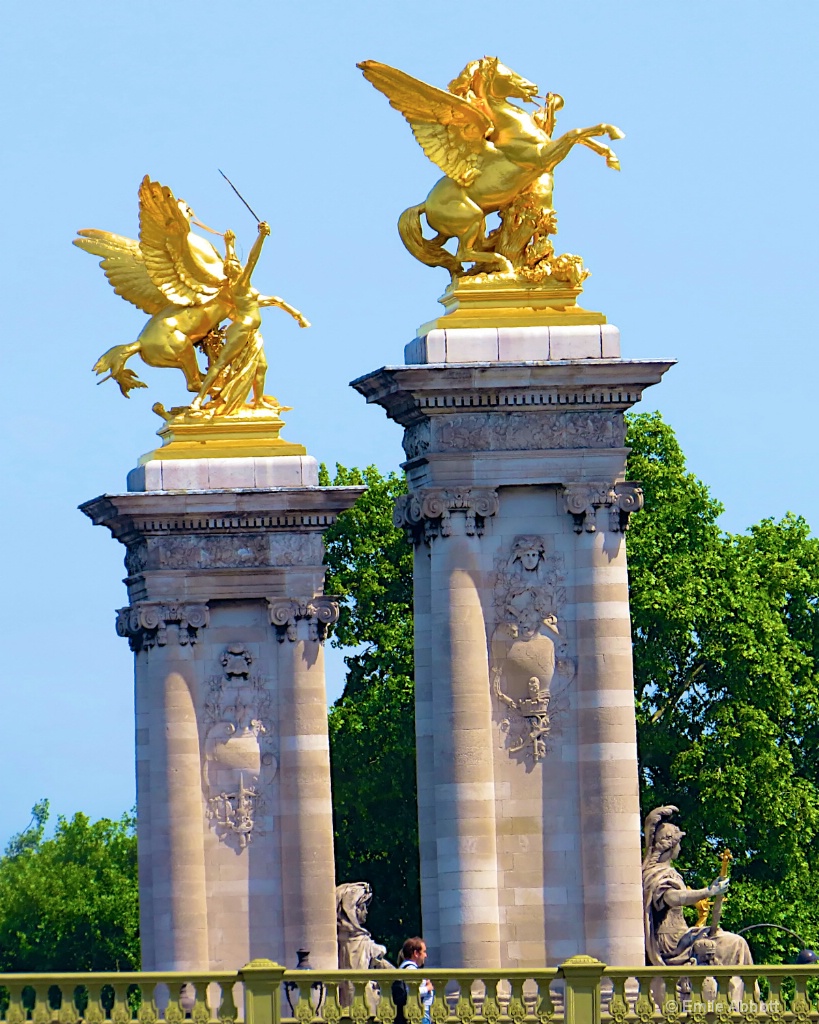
x: 372, y: 726
x: 726, y: 649
x: 726, y: 639
x: 70, y: 903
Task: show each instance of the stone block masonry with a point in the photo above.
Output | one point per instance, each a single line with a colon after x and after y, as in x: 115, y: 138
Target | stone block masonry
x: 226, y: 618
x: 527, y: 762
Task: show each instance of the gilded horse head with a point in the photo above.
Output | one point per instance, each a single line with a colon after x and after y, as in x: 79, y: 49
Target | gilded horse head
x: 489, y: 77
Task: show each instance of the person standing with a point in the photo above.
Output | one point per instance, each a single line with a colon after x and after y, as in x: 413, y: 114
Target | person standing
x: 413, y: 957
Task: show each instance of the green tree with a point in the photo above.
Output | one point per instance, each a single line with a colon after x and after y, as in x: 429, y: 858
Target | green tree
x: 372, y: 728
x: 726, y: 638
x: 726, y: 649
x: 70, y: 903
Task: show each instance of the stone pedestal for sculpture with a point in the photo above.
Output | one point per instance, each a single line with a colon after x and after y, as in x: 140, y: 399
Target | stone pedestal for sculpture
x: 226, y: 620
x: 527, y: 762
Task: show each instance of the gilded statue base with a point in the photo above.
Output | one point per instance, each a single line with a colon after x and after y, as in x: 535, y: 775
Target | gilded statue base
x: 500, y: 300
x: 246, y: 433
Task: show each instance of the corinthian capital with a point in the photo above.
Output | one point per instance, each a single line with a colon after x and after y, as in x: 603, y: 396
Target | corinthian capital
x: 319, y: 612
x: 145, y: 624
x: 585, y: 503
x: 427, y: 512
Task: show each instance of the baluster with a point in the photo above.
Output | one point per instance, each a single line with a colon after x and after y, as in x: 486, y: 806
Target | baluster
x: 491, y: 1009
x: 42, y: 1012
x: 544, y: 1009
x: 93, y: 1013
x: 618, y: 1007
x: 331, y: 1010
x: 644, y: 1006
x: 227, y: 1012
x: 670, y: 1008
x: 16, y: 1013
x: 359, y: 1011
x: 465, y: 1009
x: 516, y: 1009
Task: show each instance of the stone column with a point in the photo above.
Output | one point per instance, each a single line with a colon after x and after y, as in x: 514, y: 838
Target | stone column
x: 305, y: 819
x: 226, y: 618
x: 513, y: 437
x: 173, y: 909
x: 463, y: 784
x: 607, y: 747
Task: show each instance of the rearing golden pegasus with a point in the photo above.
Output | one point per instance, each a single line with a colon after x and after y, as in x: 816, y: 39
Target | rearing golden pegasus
x: 490, y: 150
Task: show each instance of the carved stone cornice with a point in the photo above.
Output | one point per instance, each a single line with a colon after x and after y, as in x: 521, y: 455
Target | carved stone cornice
x: 135, y: 516
x: 410, y: 393
x: 426, y: 513
x: 145, y: 623
x: 320, y: 612
x: 585, y: 501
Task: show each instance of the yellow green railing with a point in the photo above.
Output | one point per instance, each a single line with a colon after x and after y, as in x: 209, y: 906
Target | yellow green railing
x: 580, y: 991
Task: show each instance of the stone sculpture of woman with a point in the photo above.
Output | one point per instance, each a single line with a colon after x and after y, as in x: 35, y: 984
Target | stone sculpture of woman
x: 669, y: 939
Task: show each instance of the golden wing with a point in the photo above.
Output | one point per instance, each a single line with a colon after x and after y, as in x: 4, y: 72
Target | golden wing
x: 185, y: 268
x: 124, y: 267
x: 451, y: 132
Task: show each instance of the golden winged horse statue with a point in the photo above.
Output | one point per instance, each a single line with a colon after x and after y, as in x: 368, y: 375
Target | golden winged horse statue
x: 188, y: 289
x: 497, y: 158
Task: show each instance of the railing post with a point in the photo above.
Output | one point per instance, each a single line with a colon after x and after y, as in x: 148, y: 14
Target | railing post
x: 581, y: 1000
x: 263, y: 999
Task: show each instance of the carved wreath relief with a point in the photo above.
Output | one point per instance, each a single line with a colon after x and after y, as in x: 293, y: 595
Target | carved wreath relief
x: 239, y: 762
x: 530, y: 669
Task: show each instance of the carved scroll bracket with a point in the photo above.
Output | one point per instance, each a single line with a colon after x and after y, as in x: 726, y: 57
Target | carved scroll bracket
x: 585, y: 502
x: 427, y: 512
x: 145, y: 624
x: 320, y: 612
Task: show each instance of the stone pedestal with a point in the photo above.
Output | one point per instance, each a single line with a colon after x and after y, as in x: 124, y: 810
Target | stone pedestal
x: 226, y: 618
x: 527, y: 763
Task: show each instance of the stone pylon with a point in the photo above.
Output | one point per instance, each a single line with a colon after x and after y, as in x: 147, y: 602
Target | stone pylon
x: 226, y: 618
x: 527, y: 762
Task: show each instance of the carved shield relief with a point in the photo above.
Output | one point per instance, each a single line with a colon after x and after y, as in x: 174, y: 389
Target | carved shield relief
x: 239, y: 759
x: 528, y: 663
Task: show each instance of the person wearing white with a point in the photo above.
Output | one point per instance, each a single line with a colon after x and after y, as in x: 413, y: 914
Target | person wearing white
x: 413, y: 957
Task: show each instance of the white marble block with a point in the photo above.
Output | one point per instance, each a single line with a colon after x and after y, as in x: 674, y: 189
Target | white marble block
x: 526, y: 743
x: 213, y: 474
x: 515, y: 344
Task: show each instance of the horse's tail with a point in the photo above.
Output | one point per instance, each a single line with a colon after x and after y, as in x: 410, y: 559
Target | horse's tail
x: 113, y: 363
x: 427, y: 250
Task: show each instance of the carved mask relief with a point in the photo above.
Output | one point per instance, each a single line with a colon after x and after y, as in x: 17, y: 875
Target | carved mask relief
x: 530, y: 670
x: 239, y: 763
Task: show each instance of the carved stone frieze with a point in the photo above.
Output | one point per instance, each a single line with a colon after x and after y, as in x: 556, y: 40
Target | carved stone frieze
x: 417, y: 439
x: 224, y: 551
x: 136, y: 558
x: 239, y: 750
x: 145, y: 623
x: 427, y: 512
x: 527, y: 431
x: 320, y: 612
x: 530, y: 666
x: 586, y: 502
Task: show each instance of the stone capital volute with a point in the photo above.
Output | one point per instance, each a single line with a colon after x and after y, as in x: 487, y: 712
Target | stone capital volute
x: 319, y: 612
x: 585, y: 502
x: 426, y: 513
x: 145, y: 623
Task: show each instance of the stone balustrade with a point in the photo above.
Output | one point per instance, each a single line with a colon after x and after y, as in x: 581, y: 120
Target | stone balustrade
x: 581, y: 991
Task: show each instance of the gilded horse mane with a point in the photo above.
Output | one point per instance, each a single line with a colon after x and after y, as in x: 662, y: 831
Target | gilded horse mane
x: 465, y: 84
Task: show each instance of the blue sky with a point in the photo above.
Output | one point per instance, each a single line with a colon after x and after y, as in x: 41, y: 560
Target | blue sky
x: 703, y: 249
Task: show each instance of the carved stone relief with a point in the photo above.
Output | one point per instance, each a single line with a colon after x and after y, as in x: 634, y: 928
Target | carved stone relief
x: 285, y: 612
x: 239, y: 749
x: 426, y: 513
x: 416, y: 439
x: 145, y: 624
x: 586, y: 502
x: 224, y: 551
x: 529, y: 664
x: 525, y: 431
